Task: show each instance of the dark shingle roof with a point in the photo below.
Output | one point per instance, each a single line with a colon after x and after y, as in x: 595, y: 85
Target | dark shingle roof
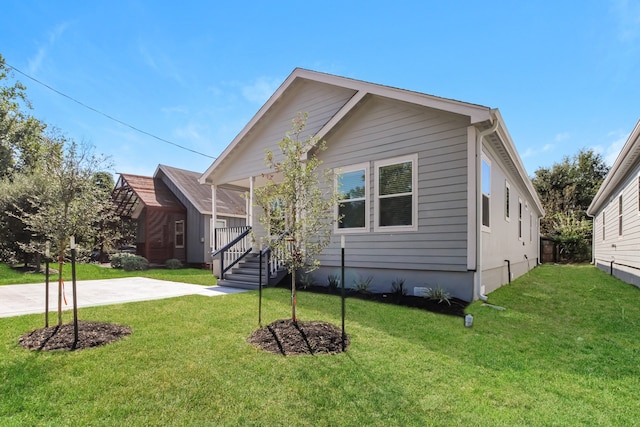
x: 228, y: 202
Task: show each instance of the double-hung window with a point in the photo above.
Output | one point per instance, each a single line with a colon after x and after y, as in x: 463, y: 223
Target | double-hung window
x: 179, y: 234
x: 519, y: 219
x: 486, y: 193
x: 620, y: 215
x: 507, y: 201
x: 353, y: 206
x: 396, y: 204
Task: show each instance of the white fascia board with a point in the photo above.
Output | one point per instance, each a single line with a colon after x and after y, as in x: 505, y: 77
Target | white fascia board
x: 510, y: 147
x: 618, y: 171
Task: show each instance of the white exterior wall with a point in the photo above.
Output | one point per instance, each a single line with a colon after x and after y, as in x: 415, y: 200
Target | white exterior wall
x: 502, y: 242
x: 624, y: 249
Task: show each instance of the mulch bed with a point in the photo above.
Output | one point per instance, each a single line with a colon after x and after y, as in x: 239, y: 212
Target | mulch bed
x: 455, y: 306
x: 62, y: 337
x: 288, y: 338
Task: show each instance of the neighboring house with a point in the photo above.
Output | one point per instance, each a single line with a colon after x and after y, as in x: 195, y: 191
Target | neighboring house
x: 461, y: 212
x: 173, y: 213
x: 616, y: 215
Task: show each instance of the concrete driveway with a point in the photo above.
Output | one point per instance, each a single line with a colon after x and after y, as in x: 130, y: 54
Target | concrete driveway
x: 16, y: 300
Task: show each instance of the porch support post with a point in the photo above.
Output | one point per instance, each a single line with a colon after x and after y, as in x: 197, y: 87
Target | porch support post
x: 214, y: 217
x: 249, y: 209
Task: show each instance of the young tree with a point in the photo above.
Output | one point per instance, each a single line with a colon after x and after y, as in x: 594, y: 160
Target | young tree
x: 69, y: 203
x: 566, y: 191
x: 568, y: 187
x: 297, y: 202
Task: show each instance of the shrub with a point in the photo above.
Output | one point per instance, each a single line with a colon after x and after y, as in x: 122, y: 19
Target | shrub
x: 334, y: 281
x: 397, y: 287
x: 306, y: 280
x: 135, y: 263
x: 438, y: 294
x: 117, y: 259
x: 173, y: 264
x: 362, y: 284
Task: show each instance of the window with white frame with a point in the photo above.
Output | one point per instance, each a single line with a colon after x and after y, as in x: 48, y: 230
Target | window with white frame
x: 486, y: 192
x: 620, y: 215
x: 396, y: 202
x: 353, y: 206
x: 179, y: 234
x: 520, y: 219
x: 507, y: 207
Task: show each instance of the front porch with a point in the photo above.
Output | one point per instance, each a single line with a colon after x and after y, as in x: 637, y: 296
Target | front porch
x: 237, y: 264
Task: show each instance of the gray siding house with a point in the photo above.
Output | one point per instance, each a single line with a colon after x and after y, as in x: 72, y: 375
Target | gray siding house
x: 173, y: 211
x: 196, y: 198
x: 466, y: 216
x: 616, y: 215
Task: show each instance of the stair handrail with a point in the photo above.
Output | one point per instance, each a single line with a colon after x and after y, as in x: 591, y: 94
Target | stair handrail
x: 274, y: 263
x: 228, y: 247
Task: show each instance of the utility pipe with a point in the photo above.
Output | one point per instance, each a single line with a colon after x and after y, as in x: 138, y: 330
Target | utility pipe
x: 479, y: 137
x: 508, y: 269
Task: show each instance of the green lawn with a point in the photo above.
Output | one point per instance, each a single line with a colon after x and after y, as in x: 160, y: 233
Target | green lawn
x: 195, y: 276
x: 564, y: 352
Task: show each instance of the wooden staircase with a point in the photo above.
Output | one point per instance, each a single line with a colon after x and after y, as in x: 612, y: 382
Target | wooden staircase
x: 246, y: 274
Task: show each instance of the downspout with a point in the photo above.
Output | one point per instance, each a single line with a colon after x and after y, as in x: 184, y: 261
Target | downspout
x: 478, y: 276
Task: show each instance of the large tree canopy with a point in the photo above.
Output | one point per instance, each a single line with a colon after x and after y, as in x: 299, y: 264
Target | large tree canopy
x: 566, y: 190
x: 21, y: 135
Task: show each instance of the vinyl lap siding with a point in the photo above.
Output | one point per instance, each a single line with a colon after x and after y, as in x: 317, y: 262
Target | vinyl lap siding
x: 622, y: 249
x: 381, y: 129
x: 319, y: 100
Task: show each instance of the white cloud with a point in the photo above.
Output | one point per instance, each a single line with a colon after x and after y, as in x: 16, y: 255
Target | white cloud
x: 563, y: 136
x: 259, y: 91
x: 532, y: 152
x: 179, y: 109
x: 611, y: 152
x: 527, y: 153
x: 53, y: 36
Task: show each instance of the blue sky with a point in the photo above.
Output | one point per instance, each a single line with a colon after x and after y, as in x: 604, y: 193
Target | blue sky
x: 565, y: 75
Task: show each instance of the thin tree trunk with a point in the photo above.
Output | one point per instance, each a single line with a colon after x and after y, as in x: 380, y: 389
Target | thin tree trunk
x: 60, y: 264
x: 293, y: 297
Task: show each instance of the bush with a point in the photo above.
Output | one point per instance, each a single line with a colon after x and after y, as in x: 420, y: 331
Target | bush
x: 117, y: 259
x: 397, y: 287
x: 438, y: 294
x: 173, y: 264
x: 306, y: 280
x: 362, y: 284
x: 135, y: 263
x: 333, y: 281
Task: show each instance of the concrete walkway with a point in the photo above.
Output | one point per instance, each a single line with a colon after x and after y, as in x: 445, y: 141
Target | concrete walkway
x: 16, y: 300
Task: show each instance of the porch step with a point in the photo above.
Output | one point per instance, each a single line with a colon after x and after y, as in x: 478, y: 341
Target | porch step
x: 246, y: 274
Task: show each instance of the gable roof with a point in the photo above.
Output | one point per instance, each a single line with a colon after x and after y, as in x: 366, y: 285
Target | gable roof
x: 132, y: 192
x: 228, y: 202
x: 476, y: 113
x: 627, y: 161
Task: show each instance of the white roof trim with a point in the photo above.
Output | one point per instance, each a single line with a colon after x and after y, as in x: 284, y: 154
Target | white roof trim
x: 476, y: 113
x: 628, y: 158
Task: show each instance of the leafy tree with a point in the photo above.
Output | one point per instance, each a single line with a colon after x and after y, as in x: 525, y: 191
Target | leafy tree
x: 295, y: 201
x: 68, y: 204
x: 566, y: 191
x: 21, y: 143
x: 573, y: 236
